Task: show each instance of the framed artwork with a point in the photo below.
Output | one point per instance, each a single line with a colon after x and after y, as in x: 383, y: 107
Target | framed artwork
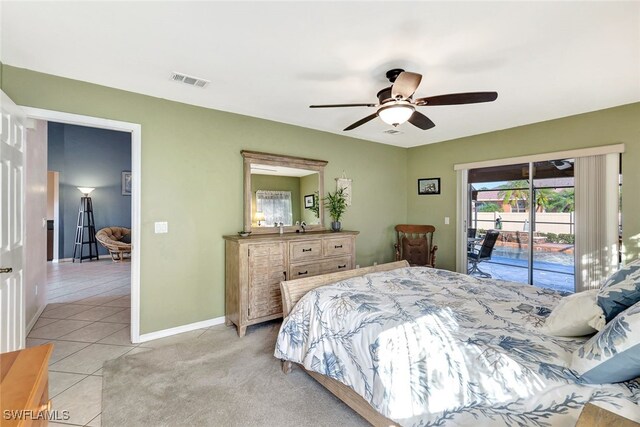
x: 126, y: 183
x: 429, y: 186
x: 309, y: 201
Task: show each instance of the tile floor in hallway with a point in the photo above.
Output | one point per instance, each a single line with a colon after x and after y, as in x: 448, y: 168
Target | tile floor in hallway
x: 88, y: 321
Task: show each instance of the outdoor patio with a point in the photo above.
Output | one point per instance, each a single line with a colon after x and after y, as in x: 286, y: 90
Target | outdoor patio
x: 556, y: 276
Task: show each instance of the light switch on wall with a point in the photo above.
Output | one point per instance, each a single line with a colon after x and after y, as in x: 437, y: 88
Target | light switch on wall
x: 161, y: 227
x: 446, y: 220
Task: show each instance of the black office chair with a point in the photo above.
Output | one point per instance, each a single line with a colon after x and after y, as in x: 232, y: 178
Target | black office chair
x: 471, y: 233
x: 478, y: 254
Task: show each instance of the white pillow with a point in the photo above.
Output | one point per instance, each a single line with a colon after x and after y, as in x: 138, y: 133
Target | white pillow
x: 613, y: 354
x: 577, y: 315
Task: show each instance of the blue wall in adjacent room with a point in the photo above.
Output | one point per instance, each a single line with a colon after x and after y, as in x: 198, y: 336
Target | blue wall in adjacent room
x: 89, y: 157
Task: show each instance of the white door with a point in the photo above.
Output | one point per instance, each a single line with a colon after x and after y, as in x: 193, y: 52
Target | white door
x: 12, y: 149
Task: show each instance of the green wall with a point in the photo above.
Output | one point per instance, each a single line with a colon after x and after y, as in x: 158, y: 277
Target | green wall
x: 192, y: 177
x: 610, y: 126
x: 279, y: 183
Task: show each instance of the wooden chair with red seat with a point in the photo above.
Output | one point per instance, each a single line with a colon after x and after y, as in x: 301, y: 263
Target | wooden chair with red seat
x: 414, y: 243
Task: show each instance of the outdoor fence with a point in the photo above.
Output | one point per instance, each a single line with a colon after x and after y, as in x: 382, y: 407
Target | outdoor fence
x: 545, y: 222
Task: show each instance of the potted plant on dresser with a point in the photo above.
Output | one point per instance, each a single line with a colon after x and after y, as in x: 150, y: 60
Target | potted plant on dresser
x: 336, y: 204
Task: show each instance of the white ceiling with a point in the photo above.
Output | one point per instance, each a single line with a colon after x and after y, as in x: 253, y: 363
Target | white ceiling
x: 273, y: 59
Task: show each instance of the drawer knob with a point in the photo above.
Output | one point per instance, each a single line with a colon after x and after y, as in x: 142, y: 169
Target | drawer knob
x: 337, y: 246
x: 302, y: 273
x: 342, y: 266
x: 306, y: 250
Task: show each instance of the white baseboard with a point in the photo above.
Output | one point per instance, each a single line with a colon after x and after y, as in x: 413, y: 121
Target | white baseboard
x: 180, y: 329
x: 34, y: 319
x: 57, y: 261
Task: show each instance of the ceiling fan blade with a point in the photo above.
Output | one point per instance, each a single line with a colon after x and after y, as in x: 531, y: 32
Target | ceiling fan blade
x: 361, y: 121
x: 458, y: 98
x: 405, y: 85
x: 342, y: 105
x: 420, y: 120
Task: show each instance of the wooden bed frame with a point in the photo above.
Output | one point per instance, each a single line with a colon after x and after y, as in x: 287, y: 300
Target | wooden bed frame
x: 292, y: 291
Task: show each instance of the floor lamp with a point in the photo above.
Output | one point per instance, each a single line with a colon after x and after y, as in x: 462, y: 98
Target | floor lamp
x: 86, y: 227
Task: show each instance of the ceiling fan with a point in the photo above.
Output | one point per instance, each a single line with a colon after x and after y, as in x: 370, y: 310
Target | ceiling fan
x: 396, y: 104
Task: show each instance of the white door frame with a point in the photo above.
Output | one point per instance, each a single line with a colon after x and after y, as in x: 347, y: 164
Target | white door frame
x: 136, y: 174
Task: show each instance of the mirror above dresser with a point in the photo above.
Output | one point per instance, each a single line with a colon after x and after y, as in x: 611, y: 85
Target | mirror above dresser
x: 282, y: 192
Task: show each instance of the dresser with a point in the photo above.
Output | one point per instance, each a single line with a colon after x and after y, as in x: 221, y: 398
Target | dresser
x: 24, y: 381
x: 255, y: 266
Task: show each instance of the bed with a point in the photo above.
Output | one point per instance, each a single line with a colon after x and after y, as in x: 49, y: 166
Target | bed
x: 426, y: 347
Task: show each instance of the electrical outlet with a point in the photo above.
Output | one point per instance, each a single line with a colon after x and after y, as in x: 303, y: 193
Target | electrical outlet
x: 375, y: 263
x: 446, y: 220
x: 357, y: 265
x: 161, y: 227
x: 36, y: 290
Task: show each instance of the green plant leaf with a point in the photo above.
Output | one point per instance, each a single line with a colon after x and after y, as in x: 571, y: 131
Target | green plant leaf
x: 336, y: 204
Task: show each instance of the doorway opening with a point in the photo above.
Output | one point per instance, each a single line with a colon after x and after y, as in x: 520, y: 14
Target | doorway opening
x: 132, y: 274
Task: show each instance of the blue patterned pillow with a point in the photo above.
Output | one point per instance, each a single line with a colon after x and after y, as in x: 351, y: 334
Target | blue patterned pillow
x: 613, y: 354
x: 621, y: 290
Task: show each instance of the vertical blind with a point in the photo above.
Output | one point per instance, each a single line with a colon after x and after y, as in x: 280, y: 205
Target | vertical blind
x: 597, y: 207
x: 275, y: 205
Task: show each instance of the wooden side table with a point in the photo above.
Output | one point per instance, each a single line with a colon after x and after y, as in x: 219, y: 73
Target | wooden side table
x: 24, y: 387
x: 594, y: 416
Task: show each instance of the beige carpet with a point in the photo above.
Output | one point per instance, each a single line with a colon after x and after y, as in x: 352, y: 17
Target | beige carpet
x: 217, y: 379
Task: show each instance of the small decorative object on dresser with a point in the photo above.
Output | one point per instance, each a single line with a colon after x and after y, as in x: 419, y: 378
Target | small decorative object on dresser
x: 256, y: 265
x: 337, y: 205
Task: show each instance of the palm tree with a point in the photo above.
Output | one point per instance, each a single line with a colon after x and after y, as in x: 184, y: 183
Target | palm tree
x: 543, y: 197
x: 563, y: 201
x: 514, y: 191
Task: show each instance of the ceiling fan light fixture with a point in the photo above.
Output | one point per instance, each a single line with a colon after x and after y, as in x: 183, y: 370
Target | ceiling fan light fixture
x: 395, y: 114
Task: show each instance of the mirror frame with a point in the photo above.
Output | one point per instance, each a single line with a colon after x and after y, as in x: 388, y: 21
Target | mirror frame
x: 280, y: 160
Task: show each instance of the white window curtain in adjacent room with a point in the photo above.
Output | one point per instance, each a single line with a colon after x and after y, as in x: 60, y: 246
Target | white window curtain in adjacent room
x: 275, y: 205
x: 596, y: 205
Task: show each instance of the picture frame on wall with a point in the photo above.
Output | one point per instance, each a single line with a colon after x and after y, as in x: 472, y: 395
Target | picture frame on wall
x: 309, y: 201
x: 428, y: 186
x: 126, y: 183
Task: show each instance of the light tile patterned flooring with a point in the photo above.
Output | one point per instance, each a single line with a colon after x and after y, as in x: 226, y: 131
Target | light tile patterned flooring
x: 88, y: 321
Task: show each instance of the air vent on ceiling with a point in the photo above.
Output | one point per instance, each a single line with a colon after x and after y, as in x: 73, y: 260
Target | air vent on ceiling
x: 392, y: 132
x: 189, y: 80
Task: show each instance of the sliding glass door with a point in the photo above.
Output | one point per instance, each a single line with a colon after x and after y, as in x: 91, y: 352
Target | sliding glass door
x: 553, y: 231
x: 531, y: 206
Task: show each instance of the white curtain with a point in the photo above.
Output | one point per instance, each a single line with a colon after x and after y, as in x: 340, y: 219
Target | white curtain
x: 275, y: 205
x: 462, y: 213
x: 596, y: 205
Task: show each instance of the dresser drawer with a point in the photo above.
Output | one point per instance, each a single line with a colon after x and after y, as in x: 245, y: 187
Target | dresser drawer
x: 335, y: 264
x: 299, y: 271
x: 337, y: 246
x: 308, y: 249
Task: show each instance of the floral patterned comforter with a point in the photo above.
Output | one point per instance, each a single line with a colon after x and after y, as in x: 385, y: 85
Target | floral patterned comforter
x: 429, y: 347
